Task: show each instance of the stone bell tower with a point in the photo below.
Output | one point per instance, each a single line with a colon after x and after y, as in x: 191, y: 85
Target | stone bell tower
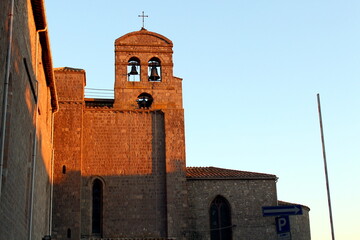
x: 123, y: 175
x: 143, y: 65
x: 144, y: 81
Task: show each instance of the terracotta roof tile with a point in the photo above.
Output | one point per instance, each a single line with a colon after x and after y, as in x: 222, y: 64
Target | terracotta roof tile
x: 69, y: 69
x: 283, y: 203
x: 222, y: 173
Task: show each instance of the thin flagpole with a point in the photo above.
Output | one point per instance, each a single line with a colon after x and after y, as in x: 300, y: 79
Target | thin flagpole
x: 325, y: 167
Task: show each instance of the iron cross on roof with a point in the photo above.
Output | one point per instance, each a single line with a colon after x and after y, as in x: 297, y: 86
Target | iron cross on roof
x: 143, y: 18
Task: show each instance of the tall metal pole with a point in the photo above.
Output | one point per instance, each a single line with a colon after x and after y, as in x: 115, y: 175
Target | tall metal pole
x: 325, y: 168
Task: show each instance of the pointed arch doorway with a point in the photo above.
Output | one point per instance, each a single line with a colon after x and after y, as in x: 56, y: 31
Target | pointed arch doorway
x: 220, y: 219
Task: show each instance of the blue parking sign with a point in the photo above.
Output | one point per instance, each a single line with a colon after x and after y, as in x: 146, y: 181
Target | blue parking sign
x: 282, y: 224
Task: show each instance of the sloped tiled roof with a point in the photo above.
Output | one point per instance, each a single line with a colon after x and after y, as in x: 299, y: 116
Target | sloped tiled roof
x: 69, y: 69
x: 283, y: 203
x: 222, y: 173
x: 38, y: 9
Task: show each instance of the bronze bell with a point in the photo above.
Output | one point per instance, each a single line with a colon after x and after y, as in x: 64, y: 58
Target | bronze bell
x: 133, y: 70
x: 154, y: 76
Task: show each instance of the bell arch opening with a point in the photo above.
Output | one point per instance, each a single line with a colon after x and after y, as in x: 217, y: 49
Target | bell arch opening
x: 133, y: 70
x: 154, y: 70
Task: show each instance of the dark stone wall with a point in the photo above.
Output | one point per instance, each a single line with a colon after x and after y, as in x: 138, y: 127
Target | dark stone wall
x: 300, y: 225
x: 246, y: 198
x: 25, y: 198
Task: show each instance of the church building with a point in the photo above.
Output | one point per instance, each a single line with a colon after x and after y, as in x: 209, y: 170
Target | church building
x: 119, y: 164
x: 113, y: 169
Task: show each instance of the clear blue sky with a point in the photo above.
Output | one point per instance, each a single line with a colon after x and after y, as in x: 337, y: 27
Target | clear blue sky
x: 251, y: 73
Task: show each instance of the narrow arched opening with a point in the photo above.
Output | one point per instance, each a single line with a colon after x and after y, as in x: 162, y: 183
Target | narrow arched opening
x: 97, y: 207
x: 220, y: 219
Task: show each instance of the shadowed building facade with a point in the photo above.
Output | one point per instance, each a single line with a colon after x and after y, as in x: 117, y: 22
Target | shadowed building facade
x: 27, y: 105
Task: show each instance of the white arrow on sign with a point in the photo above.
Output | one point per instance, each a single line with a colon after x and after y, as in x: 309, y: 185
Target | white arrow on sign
x: 293, y: 210
x: 282, y: 210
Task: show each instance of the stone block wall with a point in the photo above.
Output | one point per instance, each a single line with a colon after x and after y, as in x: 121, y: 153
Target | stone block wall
x: 246, y: 198
x: 68, y: 137
x: 25, y: 182
x: 126, y: 150
x: 176, y: 171
x: 300, y: 225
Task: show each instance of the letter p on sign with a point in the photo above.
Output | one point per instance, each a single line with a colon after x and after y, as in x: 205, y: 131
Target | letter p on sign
x: 282, y: 224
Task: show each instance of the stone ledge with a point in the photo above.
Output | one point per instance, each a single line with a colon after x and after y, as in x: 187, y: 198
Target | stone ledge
x: 95, y: 238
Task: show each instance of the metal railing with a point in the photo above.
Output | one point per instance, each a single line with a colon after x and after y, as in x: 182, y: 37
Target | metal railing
x: 99, y: 93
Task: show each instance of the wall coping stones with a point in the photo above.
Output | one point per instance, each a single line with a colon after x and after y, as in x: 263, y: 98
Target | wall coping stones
x: 214, y: 173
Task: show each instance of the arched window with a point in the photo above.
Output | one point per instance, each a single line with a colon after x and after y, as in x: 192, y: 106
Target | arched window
x: 97, y: 195
x: 133, y: 70
x: 154, y: 70
x: 220, y: 219
x: 144, y: 100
